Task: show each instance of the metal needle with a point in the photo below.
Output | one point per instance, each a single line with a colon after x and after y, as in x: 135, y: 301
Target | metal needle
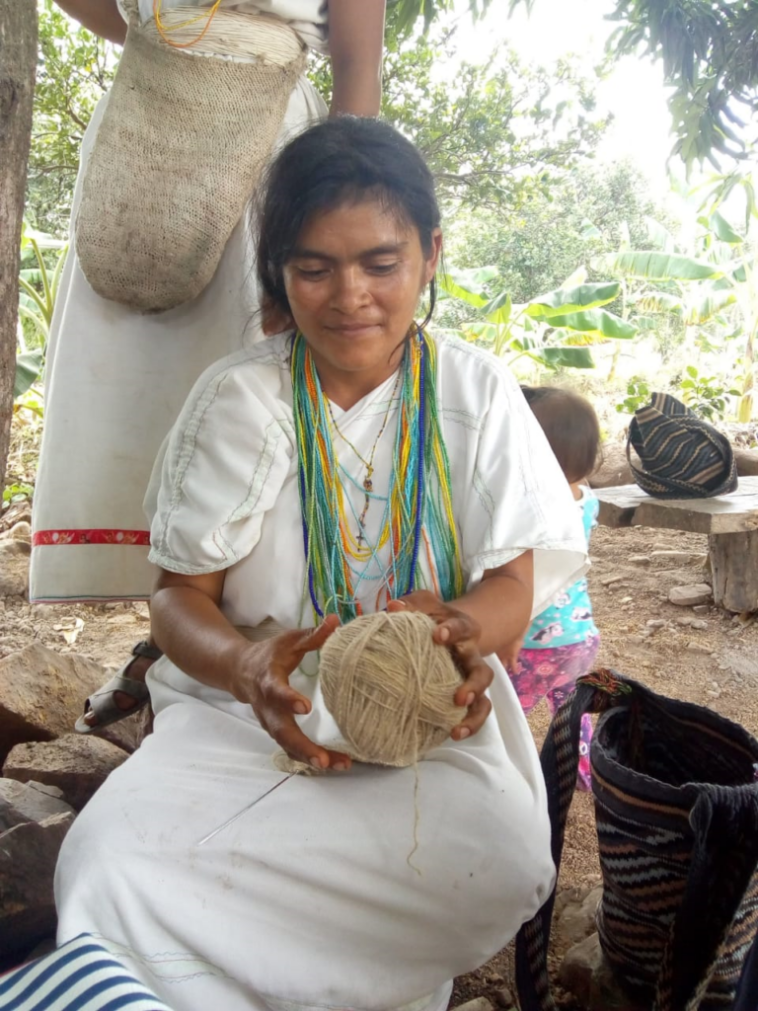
x: 244, y: 810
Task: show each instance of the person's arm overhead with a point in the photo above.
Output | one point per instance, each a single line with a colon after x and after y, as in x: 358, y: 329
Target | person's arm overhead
x: 100, y: 16
x: 356, y: 44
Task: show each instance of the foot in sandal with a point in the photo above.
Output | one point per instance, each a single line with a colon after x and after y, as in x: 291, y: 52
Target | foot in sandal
x: 124, y: 694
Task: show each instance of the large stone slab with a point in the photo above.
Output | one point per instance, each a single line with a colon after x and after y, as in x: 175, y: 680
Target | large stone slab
x: 76, y: 764
x: 33, y: 825
x: 42, y: 694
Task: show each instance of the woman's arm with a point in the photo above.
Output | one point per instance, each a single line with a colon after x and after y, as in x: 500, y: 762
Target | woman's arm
x: 189, y: 627
x: 356, y: 44
x: 100, y: 16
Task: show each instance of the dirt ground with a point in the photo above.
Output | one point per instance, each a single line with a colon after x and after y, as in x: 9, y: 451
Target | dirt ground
x: 714, y: 664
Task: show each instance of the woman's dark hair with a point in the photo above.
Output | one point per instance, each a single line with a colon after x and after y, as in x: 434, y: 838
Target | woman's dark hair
x: 571, y: 426
x: 344, y: 160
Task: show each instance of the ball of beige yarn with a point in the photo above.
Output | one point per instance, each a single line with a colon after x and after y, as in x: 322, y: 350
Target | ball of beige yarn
x: 390, y: 687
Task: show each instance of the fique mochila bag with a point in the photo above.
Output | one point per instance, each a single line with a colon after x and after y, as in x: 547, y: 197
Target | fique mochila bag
x: 681, y: 455
x: 187, y: 131
x: 676, y: 807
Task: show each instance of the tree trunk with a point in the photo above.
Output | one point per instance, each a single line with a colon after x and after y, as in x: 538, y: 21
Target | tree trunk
x: 18, y: 64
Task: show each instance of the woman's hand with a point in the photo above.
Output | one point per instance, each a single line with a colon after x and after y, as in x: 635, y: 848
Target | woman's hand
x: 460, y: 633
x: 261, y: 679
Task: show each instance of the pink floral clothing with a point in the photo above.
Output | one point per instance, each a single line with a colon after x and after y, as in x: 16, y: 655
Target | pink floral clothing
x: 551, y: 674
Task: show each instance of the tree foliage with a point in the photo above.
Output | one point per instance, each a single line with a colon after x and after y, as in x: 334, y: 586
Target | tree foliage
x: 74, y: 70
x: 497, y: 132
x: 494, y: 134
x: 709, y: 50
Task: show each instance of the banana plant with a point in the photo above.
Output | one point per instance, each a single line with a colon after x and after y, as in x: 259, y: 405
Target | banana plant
x: 555, y: 330
x: 700, y: 289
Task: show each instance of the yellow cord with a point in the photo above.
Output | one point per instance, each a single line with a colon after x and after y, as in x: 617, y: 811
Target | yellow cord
x: 163, y: 31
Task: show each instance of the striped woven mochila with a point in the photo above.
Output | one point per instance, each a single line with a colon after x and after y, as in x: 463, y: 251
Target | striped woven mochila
x: 676, y: 806
x: 682, y: 456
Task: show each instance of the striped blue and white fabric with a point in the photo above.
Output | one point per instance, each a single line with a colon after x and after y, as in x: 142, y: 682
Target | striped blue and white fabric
x: 81, y: 975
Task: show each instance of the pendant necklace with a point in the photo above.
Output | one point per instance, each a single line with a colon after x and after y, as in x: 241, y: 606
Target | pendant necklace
x: 368, y: 484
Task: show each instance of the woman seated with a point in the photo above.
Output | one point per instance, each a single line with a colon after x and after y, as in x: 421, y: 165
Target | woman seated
x: 352, y: 463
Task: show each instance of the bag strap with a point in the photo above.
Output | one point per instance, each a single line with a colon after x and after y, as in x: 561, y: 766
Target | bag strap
x: 724, y: 821
x: 595, y: 693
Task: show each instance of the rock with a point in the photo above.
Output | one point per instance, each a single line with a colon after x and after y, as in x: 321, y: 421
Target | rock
x: 656, y: 623
x: 701, y: 608
x: 640, y: 559
x: 613, y: 468
x: 42, y: 694
x: 585, y: 972
x: 636, y: 640
x: 577, y: 920
x: 504, y: 999
x: 688, y: 596
x: 696, y: 647
x: 14, y: 568
x: 28, y: 854
x: 578, y: 967
x: 674, y: 558
x: 19, y: 532
x: 477, y: 1004
x: 746, y: 461
x: 699, y: 624
x: 76, y: 764
x: 24, y: 802
x: 610, y: 580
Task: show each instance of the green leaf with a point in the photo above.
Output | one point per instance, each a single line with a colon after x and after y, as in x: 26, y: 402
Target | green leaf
x: 28, y: 369
x: 654, y: 266
x: 571, y: 358
x: 499, y: 309
x: 562, y: 301
x: 468, y: 285
x: 723, y: 230
x: 691, y: 371
x: 595, y: 323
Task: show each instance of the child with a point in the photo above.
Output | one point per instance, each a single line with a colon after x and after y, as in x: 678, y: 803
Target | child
x: 562, y: 641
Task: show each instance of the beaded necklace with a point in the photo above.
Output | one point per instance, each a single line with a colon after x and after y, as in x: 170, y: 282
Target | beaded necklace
x: 418, y: 504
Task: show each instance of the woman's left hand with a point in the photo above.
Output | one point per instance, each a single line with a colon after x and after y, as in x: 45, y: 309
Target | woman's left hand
x: 460, y: 634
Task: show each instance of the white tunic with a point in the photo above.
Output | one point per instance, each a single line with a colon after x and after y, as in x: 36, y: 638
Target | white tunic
x: 310, y: 900
x: 309, y: 18
x: 115, y: 383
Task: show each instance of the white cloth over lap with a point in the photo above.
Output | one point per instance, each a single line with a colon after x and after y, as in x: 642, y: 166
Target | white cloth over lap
x: 309, y: 901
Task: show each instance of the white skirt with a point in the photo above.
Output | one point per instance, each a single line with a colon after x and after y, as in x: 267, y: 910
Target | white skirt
x: 315, y: 898
x: 115, y: 383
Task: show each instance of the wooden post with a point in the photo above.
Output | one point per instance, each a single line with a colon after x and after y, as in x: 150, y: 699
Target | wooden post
x: 734, y: 566
x: 18, y: 65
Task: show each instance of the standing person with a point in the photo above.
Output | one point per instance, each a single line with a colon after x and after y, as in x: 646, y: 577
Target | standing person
x: 562, y: 641
x: 117, y: 377
x: 448, y: 501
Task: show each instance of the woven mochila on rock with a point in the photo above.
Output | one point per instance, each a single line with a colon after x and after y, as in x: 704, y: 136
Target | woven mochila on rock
x: 182, y: 145
x: 676, y: 806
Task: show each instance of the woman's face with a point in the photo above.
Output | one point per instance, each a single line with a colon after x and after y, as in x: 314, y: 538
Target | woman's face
x: 353, y: 284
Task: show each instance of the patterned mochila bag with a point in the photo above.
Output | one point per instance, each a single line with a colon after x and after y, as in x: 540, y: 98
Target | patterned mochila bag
x: 676, y: 806
x: 681, y: 455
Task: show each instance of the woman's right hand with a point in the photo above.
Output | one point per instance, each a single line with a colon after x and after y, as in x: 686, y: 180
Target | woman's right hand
x: 261, y: 679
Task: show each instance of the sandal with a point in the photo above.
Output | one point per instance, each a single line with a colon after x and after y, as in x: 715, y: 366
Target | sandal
x: 103, y: 702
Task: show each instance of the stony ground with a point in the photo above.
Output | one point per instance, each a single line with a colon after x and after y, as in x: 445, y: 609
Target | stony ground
x: 707, y: 657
